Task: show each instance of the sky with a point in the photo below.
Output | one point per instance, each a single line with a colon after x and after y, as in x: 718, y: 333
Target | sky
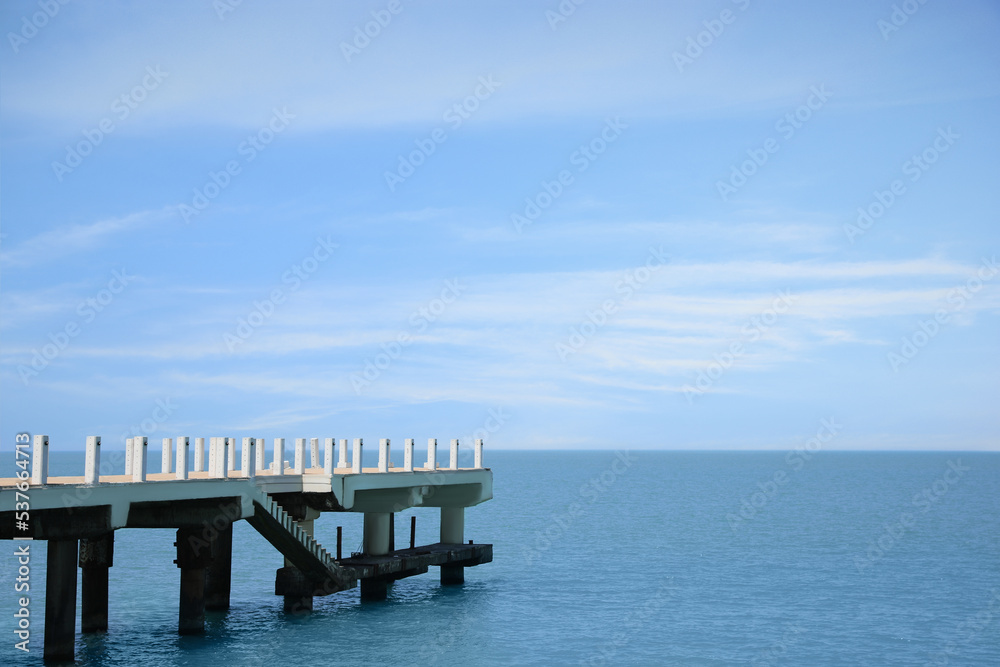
x: 643, y: 225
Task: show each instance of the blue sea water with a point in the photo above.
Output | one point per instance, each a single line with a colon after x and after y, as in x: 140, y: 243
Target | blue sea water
x: 615, y: 558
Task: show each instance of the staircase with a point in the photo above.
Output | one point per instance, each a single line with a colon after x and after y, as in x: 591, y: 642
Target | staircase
x: 320, y: 570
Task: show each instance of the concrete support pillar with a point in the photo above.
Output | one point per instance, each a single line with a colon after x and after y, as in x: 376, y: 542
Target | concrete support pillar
x: 182, y: 457
x: 220, y: 570
x: 432, y: 448
x: 40, y: 460
x: 408, y: 455
x: 139, y: 446
x: 92, y: 467
x: 299, y: 466
x: 376, y: 543
x: 96, y: 558
x: 199, y: 454
x: 452, y: 532
x: 453, y: 463
x: 478, y: 456
x: 313, y: 452
x: 167, y: 456
x: 193, y: 558
x: 60, y: 600
x: 342, y: 461
x: 278, y: 465
x: 383, y: 455
x: 356, y: 456
x: 328, y: 447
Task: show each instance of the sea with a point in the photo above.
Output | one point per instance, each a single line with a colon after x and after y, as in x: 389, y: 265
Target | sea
x: 611, y: 558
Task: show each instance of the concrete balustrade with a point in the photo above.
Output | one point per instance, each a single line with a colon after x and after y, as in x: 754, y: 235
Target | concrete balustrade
x: 182, y: 457
x: 139, y: 445
x: 92, y: 465
x: 167, y: 456
x: 300, y: 456
x: 199, y: 454
x: 408, y: 455
x: 342, y: 461
x: 432, y: 447
x: 383, y: 455
x: 252, y: 457
x: 328, y: 447
x: 278, y: 464
x: 356, y: 456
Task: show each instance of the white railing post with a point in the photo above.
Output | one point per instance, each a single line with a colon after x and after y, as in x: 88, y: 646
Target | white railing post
x: 356, y: 458
x: 199, y: 454
x: 182, y: 457
x: 408, y: 455
x: 300, y: 456
x: 249, y: 462
x: 91, y: 474
x: 383, y: 455
x: 128, y: 456
x: 278, y: 466
x: 342, y: 461
x: 453, y: 464
x: 432, y: 453
x: 328, y: 446
x: 478, y: 460
x: 139, y: 459
x: 213, y: 451
x: 313, y: 452
x: 167, y: 456
x: 261, y: 453
x: 231, y: 455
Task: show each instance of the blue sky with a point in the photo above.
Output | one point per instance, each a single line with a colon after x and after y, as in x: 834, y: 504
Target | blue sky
x: 632, y: 225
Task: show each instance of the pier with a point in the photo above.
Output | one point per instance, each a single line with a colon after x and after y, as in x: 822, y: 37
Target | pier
x: 78, y: 516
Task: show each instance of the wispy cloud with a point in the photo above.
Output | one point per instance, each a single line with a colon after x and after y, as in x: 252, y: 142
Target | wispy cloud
x: 69, y: 239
